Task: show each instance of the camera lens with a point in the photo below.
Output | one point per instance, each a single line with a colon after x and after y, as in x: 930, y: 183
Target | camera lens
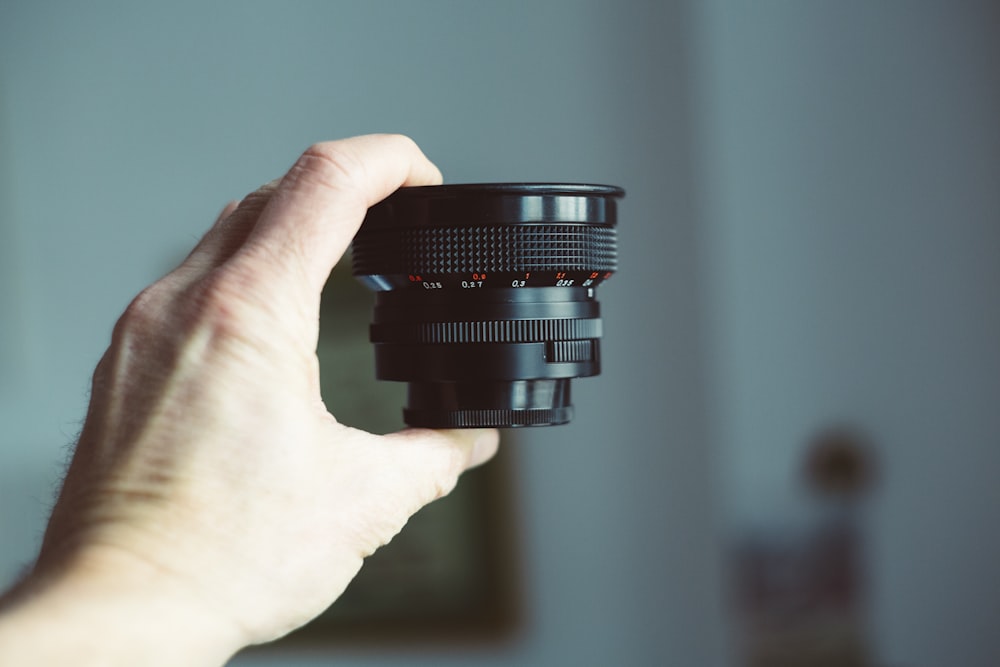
x: 485, y: 297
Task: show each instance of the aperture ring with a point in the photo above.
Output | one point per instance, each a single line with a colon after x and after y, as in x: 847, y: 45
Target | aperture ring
x: 500, y: 248
x: 493, y: 331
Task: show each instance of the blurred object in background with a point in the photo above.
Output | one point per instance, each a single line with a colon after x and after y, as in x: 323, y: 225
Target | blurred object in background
x: 800, y: 587
x: 840, y: 466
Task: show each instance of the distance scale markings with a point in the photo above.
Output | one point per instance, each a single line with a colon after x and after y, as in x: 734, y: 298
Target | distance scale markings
x: 503, y: 279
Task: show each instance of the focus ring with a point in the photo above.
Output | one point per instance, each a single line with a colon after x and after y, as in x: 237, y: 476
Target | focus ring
x: 488, y: 418
x: 501, y: 248
x: 495, y: 331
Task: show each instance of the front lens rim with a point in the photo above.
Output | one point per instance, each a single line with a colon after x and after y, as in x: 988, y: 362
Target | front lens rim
x: 480, y: 204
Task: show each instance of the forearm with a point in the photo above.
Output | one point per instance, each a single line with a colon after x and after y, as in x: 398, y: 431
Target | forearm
x: 110, y: 610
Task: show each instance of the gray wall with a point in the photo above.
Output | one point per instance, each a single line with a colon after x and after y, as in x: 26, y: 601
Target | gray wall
x: 128, y: 127
x: 850, y: 158
x: 812, y: 233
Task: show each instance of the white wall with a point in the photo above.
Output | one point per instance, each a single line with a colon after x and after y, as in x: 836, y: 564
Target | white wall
x: 851, y: 183
x: 127, y: 127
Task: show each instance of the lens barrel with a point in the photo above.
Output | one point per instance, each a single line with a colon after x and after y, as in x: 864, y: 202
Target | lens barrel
x: 485, y: 297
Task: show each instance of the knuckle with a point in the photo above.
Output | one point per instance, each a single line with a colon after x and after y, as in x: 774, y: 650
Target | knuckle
x: 216, y: 300
x: 252, y: 205
x: 403, y: 140
x: 145, y: 314
x: 102, y: 371
x: 331, y: 166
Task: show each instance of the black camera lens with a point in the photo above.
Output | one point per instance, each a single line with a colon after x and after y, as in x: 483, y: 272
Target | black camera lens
x: 485, y: 297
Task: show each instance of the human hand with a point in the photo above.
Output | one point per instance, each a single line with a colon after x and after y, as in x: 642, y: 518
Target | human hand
x: 209, y: 474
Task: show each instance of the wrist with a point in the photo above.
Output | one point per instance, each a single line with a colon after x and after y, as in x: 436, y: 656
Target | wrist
x: 106, y: 607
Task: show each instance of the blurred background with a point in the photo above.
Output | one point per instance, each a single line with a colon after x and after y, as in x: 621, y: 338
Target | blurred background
x: 790, y: 456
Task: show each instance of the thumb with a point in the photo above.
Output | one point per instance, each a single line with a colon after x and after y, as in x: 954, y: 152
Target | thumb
x: 395, y: 475
x: 456, y: 450
x: 432, y: 461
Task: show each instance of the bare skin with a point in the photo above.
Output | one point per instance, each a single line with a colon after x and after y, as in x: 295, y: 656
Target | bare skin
x: 213, y: 502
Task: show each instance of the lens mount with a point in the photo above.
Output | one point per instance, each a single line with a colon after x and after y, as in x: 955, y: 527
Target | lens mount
x: 485, y: 297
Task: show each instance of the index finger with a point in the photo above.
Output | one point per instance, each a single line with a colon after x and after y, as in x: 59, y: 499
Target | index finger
x: 320, y: 203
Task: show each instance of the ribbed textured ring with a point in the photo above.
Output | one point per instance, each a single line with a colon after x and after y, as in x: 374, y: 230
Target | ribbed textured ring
x: 488, y: 418
x: 491, y: 331
x: 497, y: 249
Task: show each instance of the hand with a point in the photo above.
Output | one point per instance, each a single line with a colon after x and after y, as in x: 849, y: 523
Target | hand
x: 210, y: 483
